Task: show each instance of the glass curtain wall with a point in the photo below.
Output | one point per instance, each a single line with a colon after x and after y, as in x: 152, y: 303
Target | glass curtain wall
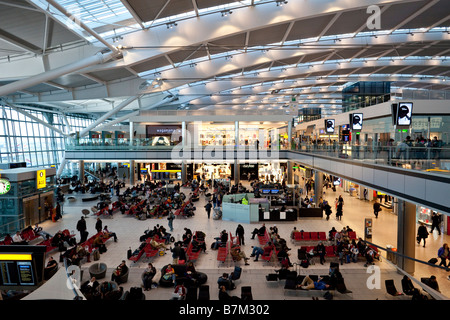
x: 23, y: 139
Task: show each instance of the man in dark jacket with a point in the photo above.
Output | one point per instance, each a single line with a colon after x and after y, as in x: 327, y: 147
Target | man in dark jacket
x: 81, y: 227
x: 208, y: 208
x: 422, y: 234
x: 376, y: 208
x: 435, y: 222
x: 240, y: 234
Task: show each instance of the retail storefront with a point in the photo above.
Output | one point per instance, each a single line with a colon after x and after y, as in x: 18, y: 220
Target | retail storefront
x: 424, y: 215
x: 207, y: 171
x: 272, y: 172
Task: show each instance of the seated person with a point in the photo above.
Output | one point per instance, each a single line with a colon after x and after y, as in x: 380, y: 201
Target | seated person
x: 157, y: 245
x: 260, y: 232
x: 98, y: 243
x: 225, y: 280
x: 198, y: 244
x: 89, y: 286
x: 224, y: 296
x: 179, y: 293
x: 169, y: 273
x: 237, y: 254
x: 190, y: 270
x: 51, y: 265
x: 147, y: 276
x: 120, y: 270
x: 370, y: 256
x: 408, y: 287
x: 38, y: 230
x: 432, y: 283
x: 256, y: 252
x: 108, y: 233
x: 308, y: 284
x: 17, y: 239
x: 283, y: 255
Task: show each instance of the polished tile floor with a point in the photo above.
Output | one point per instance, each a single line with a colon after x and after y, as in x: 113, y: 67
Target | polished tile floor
x: 356, y: 275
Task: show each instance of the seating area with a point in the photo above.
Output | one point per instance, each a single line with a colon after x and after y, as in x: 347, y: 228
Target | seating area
x: 48, y: 242
x: 263, y: 239
x: 222, y: 252
x: 197, y: 279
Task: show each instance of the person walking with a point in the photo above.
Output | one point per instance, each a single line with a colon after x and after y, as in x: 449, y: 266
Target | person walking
x: 240, y: 234
x: 376, y: 208
x: 422, y: 234
x: 436, y: 222
x: 208, y: 208
x: 443, y: 253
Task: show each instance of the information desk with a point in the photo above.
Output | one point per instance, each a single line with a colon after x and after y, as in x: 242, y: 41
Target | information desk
x: 232, y: 210
x: 310, y: 212
x: 279, y: 202
x: 275, y: 215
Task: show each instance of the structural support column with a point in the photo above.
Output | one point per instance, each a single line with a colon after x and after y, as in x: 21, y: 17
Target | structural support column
x: 289, y: 173
x: 183, y: 134
x: 131, y: 133
x: 289, y: 135
x: 81, y: 171
x: 406, y: 235
x: 132, y: 172
x: 236, y: 133
x: 183, y: 172
x: 318, y: 186
x: 237, y: 171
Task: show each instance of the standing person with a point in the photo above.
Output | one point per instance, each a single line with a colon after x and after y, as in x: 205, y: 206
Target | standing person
x: 240, y: 234
x: 327, y: 209
x: 99, y: 225
x: 81, y: 227
x: 58, y: 211
x: 422, y: 234
x: 339, y: 211
x: 170, y: 219
x: 436, y: 222
x: 376, y: 208
x: 208, y: 208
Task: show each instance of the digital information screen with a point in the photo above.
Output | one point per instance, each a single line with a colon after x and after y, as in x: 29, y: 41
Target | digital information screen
x: 357, y: 121
x: 25, y: 270
x: 404, y: 113
x: 17, y: 273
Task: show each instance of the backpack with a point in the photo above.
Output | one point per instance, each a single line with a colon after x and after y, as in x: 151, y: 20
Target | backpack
x: 304, y: 263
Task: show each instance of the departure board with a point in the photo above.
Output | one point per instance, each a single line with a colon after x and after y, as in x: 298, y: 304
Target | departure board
x: 25, y: 270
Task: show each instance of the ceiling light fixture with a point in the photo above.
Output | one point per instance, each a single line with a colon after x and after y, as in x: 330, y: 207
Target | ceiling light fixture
x: 170, y: 25
x: 226, y: 12
x: 281, y: 2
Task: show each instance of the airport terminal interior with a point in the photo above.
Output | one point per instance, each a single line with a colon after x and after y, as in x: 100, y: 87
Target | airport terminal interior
x: 204, y: 150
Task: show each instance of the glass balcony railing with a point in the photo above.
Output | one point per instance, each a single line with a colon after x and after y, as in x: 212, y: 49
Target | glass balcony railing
x: 428, y: 159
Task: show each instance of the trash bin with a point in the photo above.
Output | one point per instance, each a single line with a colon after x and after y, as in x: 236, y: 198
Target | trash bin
x: 394, y: 255
x: 389, y: 254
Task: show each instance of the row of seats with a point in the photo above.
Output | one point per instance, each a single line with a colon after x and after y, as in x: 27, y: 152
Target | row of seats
x: 314, y: 236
